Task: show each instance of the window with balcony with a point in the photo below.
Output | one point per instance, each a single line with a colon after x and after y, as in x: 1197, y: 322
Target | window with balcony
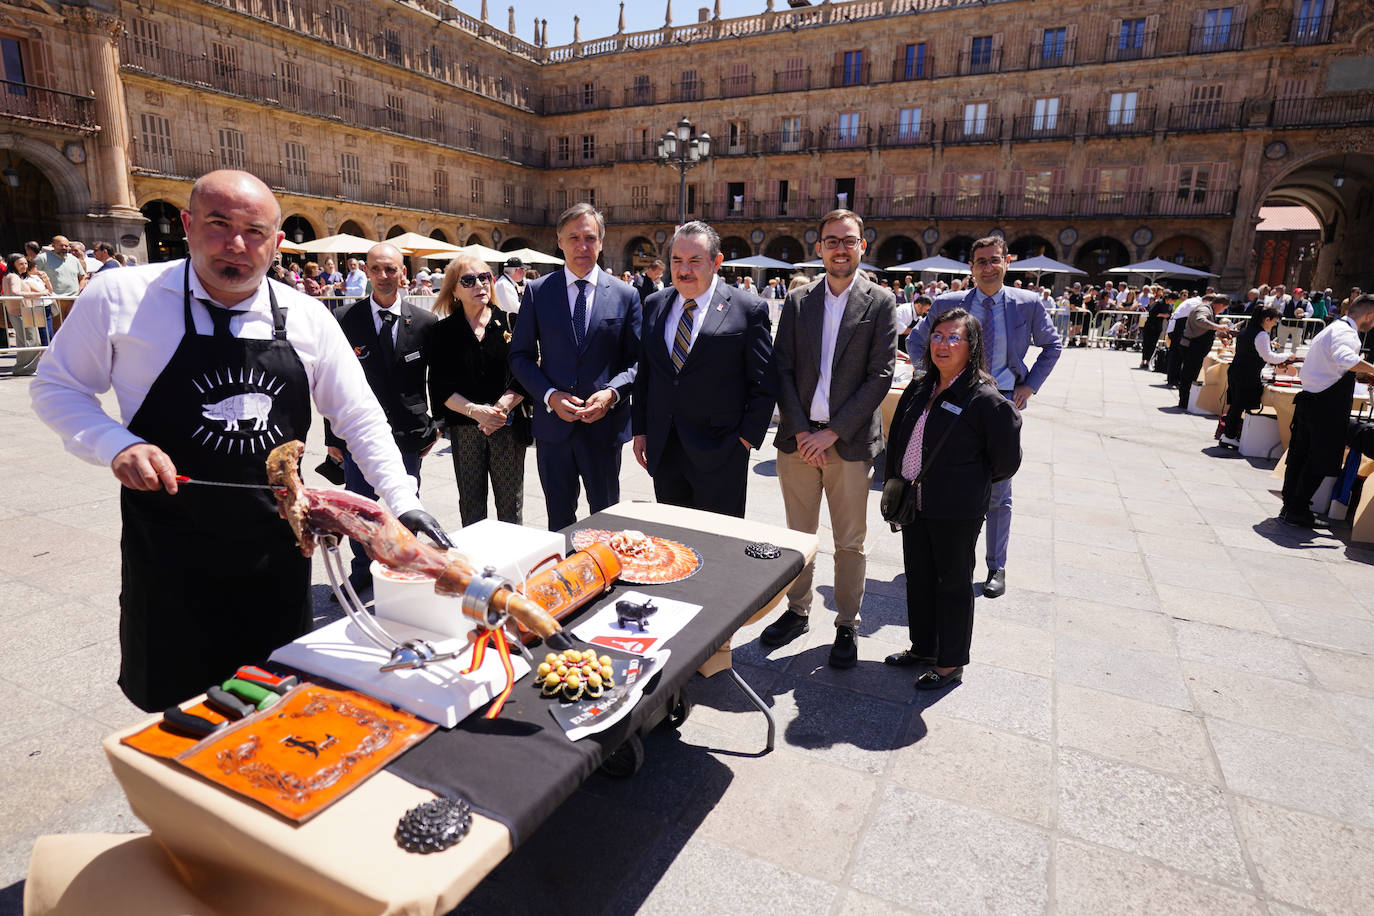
x: 350, y: 172
x: 975, y: 119
x: 395, y: 110
x: 441, y: 190
x: 1110, y: 188
x: 474, y: 133
x: 507, y: 143
x: 642, y: 93
x: 914, y: 61
x: 527, y: 197
x: 793, y: 74
x: 791, y: 134
x: 1046, y: 115
x: 586, y: 196
x: 734, y: 198
x: 1192, y: 183
x: 1130, y: 41
x: 1311, y: 20
x: 691, y: 198
x: 145, y: 38
x: 1053, y: 45
x: 847, y: 128
x: 639, y: 197
x: 562, y: 149
x: 1205, y: 106
x: 909, y: 124
x: 588, y: 95
x: 968, y: 189
x: 844, y: 193
x: 398, y: 177
x: 224, y: 60
x: 1121, y: 109
x: 12, y: 58
x: 290, y: 73
x: 689, y: 86
x: 852, y: 72
x: 980, y: 54
x: 739, y: 82
x: 343, y: 21
x: 559, y: 199
x: 1035, y: 193
x: 507, y: 196
x: 436, y: 60
x: 738, y: 136
x: 906, y: 190
x: 391, y: 46
x: 1216, y: 28
x: 232, y: 153
x: 295, y: 160
x: 588, y: 147
x: 478, y: 191
x: 786, y: 197
x: 155, y: 141
x: 346, y: 93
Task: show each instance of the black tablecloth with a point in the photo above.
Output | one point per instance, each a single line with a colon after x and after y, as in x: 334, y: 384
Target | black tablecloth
x: 519, y: 768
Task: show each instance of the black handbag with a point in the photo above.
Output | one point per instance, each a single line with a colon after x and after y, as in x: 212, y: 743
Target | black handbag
x: 898, y: 503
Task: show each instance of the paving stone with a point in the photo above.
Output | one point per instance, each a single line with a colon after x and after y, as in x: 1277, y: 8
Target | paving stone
x: 1133, y: 731
x: 705, y: 874
x: 1343, y: 671
x: 1076, y: 583
x: 1020, y: 605
x: 838, y: 726
x: 949, y: 760
x: 1149, y: 676
x: 1324, y: 628
x: 1095, y: 879
x: 1244, y: 651
x: 1307, y: 860
x: 1224, y: 577
x: 1003, y: 644
x: 1265, y: 702
x: 1105, y: 562
x: 27, y: 713
x: 982, y: 864
x: 1112, y: 537
x: 1358, y: 715
x: 1230, y: 611
x: 1180, y: 824
x: 1321, y: 778
x: 1008, y: 700
x: 854, y: 903
x: 1128, y: 628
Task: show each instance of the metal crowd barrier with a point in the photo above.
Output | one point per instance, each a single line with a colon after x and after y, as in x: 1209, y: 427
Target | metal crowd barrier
x: 29, y: 323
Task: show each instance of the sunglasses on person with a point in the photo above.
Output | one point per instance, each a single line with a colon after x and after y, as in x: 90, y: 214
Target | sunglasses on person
x: 470, y: 280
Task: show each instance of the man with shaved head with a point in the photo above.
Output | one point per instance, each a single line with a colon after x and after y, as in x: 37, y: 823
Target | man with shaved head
x: 212, y: 366
x: 385, y: 332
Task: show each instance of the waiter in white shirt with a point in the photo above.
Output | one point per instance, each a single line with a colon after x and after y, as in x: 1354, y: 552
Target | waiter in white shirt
x: 1321, y: 411
x: 1174, y: 332
x: 510, y: 286
x: 213, y: 366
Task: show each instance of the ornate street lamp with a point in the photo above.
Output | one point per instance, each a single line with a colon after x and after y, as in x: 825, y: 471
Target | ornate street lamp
x: 683, y: 152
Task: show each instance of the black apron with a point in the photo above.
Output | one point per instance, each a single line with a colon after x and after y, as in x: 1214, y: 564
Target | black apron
x: 1326, y: 414
x: 1244, y: 388
x: 212, y: 577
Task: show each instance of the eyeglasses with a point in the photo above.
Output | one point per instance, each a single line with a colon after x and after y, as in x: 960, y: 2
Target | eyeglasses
x: 989, y: 262
x: 471, y: 280
x: 951, y: 339
x: 831, y: 242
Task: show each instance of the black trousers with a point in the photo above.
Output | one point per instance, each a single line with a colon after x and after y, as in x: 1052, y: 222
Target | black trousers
x: 938, y: 554
x: 1235, y: 418
x: 1149, y: 339
x: 1190, y: 364
x: 678, y: 482
x: 564, y: 467
x: 1175, y: 361
x: 1302, y: 476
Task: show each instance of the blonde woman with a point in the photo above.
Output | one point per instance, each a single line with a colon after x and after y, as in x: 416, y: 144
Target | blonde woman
x: 474, y: 396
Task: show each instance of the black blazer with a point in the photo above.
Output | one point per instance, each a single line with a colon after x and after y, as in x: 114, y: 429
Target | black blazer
x: 402, y: 391
x: 726, y: 388
x: 984, y: 443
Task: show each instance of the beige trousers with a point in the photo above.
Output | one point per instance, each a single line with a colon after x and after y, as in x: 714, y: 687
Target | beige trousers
x: 845, y: 487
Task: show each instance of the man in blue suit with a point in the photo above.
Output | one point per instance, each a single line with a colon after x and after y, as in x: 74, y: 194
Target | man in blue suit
x: 575, y: 349
x: 704, y: 392
x: 1012, y: 320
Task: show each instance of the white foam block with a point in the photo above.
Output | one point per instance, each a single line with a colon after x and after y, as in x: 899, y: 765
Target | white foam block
x: 438, y: 693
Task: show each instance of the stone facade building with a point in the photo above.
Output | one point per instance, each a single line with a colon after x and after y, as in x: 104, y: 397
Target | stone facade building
x: 1094, y: 133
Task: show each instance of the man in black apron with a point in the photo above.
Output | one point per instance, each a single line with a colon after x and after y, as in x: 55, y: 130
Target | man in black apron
x: 1321, y: 411
x: 212, y: 578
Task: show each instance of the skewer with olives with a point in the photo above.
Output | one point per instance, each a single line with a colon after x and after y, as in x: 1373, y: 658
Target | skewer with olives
x: 573, y: 674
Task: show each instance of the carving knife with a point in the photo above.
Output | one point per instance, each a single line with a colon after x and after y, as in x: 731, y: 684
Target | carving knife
x: 225, y: 483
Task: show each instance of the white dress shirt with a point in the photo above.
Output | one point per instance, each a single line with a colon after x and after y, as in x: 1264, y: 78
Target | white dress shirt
x: 830, y: 329
x: 123, y: 331
x: 1334, y: 352
x: 1185, y: 308
x: 1265, y: 348
x: 592, y: 277
x: 377, y: 308
x: 355, y: 284
x: 675, y: 315
x: 507, y: 295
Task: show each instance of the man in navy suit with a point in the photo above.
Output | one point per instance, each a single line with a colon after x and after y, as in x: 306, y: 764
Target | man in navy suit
x: 1012, y: 320
x: 574, y: 349
x: 385, y: 332
x: 704, y: 392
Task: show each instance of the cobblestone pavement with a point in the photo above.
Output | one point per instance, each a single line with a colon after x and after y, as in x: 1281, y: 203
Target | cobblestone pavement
x: 1171, y: 710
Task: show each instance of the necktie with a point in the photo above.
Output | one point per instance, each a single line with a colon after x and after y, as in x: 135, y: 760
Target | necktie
x: 989, y: 328
x: 221, y: 318
x: 385, y: 345
x: 580, y: 314
x: 682, y: 340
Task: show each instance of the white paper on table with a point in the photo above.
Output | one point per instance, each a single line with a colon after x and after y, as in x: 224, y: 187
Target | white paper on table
x: 601, y: 629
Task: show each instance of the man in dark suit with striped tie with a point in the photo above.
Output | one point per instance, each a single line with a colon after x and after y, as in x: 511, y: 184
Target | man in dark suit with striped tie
x: 705, y: 389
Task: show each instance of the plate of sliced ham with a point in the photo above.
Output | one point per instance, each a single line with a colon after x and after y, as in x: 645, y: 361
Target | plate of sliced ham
x: 644, y: 559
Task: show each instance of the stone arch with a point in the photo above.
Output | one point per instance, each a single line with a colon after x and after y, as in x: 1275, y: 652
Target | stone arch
x: 163, y: 245
x: 513, y: 244
x: 1032, y: 245
x: 353, y: 227
x: 785, y: 248
x: 1185, y: 249
x: 396, y: 230
x: 68, y: 182
x: 438, y: 235
x: 1098, y: 255
x: 733, y: 246
x: 30, y: 207
x: 639, y: 253
x: 473, y: 239
x: 960, y: 248
x: 298, y: 223
x: 897, y: 249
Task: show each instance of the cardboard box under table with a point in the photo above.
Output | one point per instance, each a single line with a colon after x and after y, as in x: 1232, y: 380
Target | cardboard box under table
x: 237, y: 857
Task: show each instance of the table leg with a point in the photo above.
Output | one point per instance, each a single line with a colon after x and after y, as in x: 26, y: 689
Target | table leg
x: 754, y: 698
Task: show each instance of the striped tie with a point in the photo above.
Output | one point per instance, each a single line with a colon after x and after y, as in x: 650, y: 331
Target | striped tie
x: 682, y: 340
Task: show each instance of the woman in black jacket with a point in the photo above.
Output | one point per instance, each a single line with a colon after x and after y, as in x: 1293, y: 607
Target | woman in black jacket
x: 1244, y: 388
x: 954, y: 432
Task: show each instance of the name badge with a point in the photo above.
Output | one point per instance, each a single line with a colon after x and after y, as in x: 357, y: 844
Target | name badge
x: 952, y: 408
x: 411, y: 357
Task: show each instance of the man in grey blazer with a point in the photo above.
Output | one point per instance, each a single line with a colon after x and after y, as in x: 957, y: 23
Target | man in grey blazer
x: 1012, y: 320
x: 834, y: 351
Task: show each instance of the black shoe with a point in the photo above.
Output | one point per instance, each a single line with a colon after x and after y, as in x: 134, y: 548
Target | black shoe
x: 996, y: 586
x: 932, y: 681
x: 906, y: 658
x: 845, y: 652
x: 1302, y: 518
x: 785, y: 629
